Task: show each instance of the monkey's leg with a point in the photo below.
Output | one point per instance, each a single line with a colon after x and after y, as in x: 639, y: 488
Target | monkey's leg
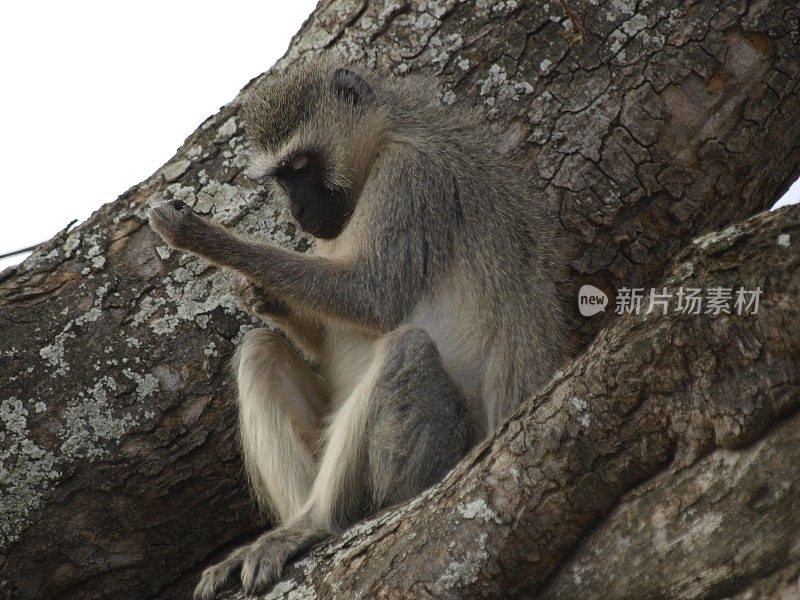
x: 419, y: 426
x: 281, y: 401
x: 403, y: 427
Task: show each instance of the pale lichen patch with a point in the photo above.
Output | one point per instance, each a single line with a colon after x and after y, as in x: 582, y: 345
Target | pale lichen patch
x: 784, y: 240
x: 147, y: 307
x: 478, y: 509
x: 505, y: 6
x: 23, y: 467
x: 581, y: 406
x: 174, y: 170
x: 497, y: 76
x: 634, y: 25
x: 425, y: 22
x: 497, y: 85
x: 191, y: 297
x: 227, y: 130
x: 621, y: 7
x: 715, y: 237
x: 221, y: 200
x: 579, y: 403
x: 449, y: 98
x: 72, y: 243
x: 90, y: 420
x: 146, y: 384
x: 54, y: 353
x: 465, y: 572
x: 291, y: 590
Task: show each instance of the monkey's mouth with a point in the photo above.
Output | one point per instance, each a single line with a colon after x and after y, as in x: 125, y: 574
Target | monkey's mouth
x: 310, y: 228
x: 297, y: 215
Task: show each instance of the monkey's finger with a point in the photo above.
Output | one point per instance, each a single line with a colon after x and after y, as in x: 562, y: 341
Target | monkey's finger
x: 259, y: 306
x: 243, y: 286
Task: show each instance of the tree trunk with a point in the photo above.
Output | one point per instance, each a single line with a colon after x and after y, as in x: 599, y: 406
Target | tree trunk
x: 119, y: 470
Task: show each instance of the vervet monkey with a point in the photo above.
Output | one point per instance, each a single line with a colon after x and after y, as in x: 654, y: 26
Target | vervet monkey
x: 428, y: 305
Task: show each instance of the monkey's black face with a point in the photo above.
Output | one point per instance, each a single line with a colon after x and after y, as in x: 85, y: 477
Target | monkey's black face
x: 318, y: 210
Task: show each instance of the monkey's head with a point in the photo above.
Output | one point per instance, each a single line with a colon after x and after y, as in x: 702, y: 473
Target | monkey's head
x: 314, y: 132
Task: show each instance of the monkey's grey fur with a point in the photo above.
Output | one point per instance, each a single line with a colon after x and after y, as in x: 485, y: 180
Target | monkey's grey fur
x: 429, y: 304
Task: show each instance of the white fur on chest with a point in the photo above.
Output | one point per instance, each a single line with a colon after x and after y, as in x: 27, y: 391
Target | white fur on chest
x: 452, y: 325
x: 450, y: 314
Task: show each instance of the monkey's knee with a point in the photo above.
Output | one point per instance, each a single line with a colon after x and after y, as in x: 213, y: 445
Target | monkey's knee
x: 407, y: 347
x: 270, y: 373
x: 257, y: 341
x: 261, y: 350
x: 421, y: 426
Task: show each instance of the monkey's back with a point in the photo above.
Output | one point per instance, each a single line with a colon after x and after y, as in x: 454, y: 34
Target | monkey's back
x: 506, y: 331
x: 466, y: 251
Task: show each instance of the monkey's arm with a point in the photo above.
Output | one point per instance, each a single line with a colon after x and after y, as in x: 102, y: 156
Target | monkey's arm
x: 358, y: 292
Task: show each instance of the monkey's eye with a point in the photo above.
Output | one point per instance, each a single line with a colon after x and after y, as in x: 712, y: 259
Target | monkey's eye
x: 299, y: 163
x: 295, y: 168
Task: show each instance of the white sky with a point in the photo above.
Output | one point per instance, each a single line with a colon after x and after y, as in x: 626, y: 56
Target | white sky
x: 100, y: 94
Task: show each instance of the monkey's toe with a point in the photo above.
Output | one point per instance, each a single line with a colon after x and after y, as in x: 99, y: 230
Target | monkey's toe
x: 218, y: 577
x: 264, y: 561
x: 205, y: 590
x: 259, y: 573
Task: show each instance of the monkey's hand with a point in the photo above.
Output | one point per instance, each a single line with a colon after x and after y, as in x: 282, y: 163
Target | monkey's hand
x: 258, y: 301
x: 180, y: 227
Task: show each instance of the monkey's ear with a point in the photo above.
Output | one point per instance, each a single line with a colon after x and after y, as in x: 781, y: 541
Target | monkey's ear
x: 351, y: 87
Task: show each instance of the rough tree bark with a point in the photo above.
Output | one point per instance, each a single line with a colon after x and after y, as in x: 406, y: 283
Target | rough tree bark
x: 119, y: 472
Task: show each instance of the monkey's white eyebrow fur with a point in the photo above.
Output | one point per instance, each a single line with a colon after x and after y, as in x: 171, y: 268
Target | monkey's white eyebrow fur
x: 261, y: 163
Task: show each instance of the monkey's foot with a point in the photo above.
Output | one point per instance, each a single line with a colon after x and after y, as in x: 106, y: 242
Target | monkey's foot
x: 220, y: 576
x: 260, y: 563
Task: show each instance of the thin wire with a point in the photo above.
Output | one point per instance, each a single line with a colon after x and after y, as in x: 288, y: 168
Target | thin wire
x: 29, y: 248
x: 20, y: 251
